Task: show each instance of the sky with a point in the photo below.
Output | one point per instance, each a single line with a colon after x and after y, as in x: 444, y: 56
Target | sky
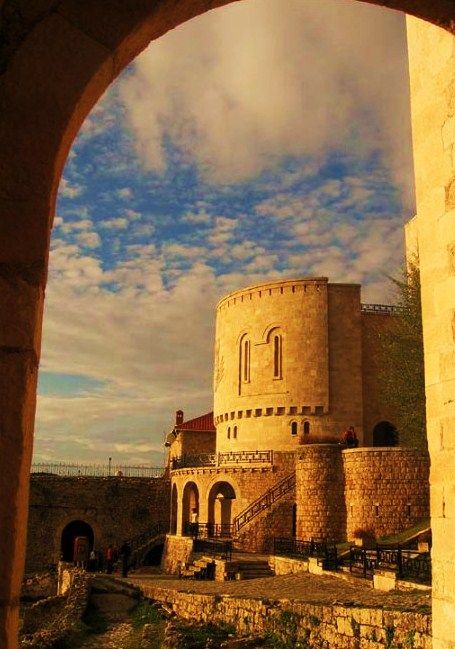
x: 268, y: 139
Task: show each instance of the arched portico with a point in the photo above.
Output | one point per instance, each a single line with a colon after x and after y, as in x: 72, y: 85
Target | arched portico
x: 73, y: 530
x: 220, y: 507
x: 55, y: 62
x: 190, y: 505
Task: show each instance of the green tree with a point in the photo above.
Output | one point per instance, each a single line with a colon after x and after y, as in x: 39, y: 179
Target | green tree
x: 402, y: 346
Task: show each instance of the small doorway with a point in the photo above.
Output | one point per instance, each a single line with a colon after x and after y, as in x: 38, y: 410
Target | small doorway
x: 72, y: 531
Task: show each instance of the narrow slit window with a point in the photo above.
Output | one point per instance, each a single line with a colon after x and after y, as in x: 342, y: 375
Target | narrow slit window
x: 306, y: 428
x: 277, y: 356
x: 234, y: 435
x: 246, y: 360
x: 294, y: 428
x: 229, y: 432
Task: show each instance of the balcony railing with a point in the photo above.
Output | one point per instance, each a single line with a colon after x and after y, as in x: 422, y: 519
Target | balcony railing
x: 380, y: 308
x: 227, y: 458
x: 208, y: 530
x: 97, y: 470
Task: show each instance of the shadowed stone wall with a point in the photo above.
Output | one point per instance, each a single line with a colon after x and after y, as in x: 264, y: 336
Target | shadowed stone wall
x: 116, y: 509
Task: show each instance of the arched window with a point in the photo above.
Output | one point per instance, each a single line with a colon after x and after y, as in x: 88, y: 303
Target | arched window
x: 277, y: 356
x: 306, y: 428
x: 235, y: 432
x: 229, y: 432
x: 294, y: 427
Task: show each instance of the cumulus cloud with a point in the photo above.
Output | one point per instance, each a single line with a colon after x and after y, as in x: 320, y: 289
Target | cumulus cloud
x: 242, y: 86
x: 118, y: 223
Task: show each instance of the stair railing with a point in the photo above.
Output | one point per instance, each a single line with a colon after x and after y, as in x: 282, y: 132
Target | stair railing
x: 265, y: 501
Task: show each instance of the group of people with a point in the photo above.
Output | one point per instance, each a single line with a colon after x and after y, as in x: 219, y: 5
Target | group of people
x: 101, y: 560
x: 348, y: 438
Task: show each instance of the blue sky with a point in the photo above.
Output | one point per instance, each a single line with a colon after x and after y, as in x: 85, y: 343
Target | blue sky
x: 258, y: 141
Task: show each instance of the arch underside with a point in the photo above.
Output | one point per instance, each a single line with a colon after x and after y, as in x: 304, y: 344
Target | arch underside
x: 56, y: 60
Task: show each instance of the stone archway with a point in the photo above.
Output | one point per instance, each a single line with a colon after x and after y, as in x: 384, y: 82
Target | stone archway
x: 56, y: 59
x: 190, y: 503
x: 385, y: 434
x: 70, y: 532
x: 220, y: 500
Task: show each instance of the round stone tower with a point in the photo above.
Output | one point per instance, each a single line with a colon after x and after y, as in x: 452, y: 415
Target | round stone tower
x: 287, y: 365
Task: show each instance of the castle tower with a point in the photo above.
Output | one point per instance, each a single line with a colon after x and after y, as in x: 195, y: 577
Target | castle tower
x: 287, y: 365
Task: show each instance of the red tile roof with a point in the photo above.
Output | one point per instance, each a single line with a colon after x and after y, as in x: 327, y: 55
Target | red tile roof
x: 204, y: 422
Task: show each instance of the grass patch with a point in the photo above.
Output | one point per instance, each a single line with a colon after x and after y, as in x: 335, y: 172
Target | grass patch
x: 196, y: 636
x: 145, y: 613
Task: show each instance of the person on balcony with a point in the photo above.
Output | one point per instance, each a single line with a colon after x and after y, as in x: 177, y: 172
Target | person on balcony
x: 349, y: 438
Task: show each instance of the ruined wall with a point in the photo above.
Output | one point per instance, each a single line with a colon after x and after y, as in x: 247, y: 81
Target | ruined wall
x: 432, y: 75
x: 116, y: 509
x: 386, y: 489
x: 337, y: 626
x: 321, y: 508
x: 375, y: 406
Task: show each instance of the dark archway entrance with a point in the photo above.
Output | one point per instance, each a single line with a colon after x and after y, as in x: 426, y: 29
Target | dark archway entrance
x: 190, y: 504
x: 70, y: 533
x: 385, y: 434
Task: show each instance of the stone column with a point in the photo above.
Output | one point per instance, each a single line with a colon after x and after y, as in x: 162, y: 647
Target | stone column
x: 432, y: 75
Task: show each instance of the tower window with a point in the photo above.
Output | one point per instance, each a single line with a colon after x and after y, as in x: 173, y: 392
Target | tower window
x: 234, y: 435
x: 306, y: 428
x: 229, y: 432
x: 294, y: 428
x: 244, y: 361
x: 277, y: 357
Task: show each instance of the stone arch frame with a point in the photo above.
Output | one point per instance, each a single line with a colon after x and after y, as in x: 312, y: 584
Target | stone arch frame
x: 174, y: 509
x: 221, y: 516
x: 385, y: 434
x: 189, y: 500
x: 65, y: 56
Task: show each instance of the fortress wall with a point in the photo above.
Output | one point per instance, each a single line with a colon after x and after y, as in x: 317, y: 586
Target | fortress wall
x: 380, y: 484
x: 116, y: 509
x: 320, y: 493
x: 375, y: 407
x: 345, y: 354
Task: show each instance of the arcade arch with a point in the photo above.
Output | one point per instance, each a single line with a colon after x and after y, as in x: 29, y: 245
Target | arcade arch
x: 174, y: 509
x: 190, y: 502
x: 65, y: 57
x: 220, y: 507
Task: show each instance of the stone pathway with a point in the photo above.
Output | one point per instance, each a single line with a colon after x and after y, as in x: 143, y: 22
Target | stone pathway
x: 118, y: 636
x: 303, y: 586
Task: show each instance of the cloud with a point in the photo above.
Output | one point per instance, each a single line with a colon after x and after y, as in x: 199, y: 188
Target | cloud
x: 69, y: 190
x: 89, y: 239
x: 118, y: 223
x: 240, y: 87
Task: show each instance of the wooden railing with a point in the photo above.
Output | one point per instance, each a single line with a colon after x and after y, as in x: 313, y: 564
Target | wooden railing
x: 265, y: 501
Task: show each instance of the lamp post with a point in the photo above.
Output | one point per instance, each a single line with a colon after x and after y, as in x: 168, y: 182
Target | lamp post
x: 109, y: 471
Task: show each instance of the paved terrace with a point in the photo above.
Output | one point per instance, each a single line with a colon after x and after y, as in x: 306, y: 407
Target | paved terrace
x: 312, y: 589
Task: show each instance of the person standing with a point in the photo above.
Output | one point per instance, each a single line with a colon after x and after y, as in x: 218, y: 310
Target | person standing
x: 109, y: 559
x: 125, y: 553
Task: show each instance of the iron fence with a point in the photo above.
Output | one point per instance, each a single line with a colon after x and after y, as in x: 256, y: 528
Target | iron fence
x: 380, y: 308
x: 97, y: 470
x: 322, y: 549
x: 191, y: 461
x: 207, y: 530
x: 225, y: 458
x: 408, y: 564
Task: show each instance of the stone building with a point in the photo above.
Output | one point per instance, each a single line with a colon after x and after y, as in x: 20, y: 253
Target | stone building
x: 296, y: 363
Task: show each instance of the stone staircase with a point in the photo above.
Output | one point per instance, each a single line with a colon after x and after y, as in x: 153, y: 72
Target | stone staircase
x: 201, y: 568
x: 249, y: 569
x: 265, y: 502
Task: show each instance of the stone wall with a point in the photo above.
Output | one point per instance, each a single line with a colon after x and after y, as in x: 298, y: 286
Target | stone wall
x: 116, y: 508
x: 177, y: 550
x: 314, y: 625
x: 375, y: 407
x: 386, y: 489
x: 321, y: 510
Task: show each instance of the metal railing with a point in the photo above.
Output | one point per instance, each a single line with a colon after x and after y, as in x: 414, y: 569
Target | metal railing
x: 207, y: 530
x: 191, y: 461
x: 245, y: 457
x: 408, y: 564
x: 97, y: 470
x: 323, y: 549
x: 225, y: 458
x: 265, y: 501
x: 380, y: 308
